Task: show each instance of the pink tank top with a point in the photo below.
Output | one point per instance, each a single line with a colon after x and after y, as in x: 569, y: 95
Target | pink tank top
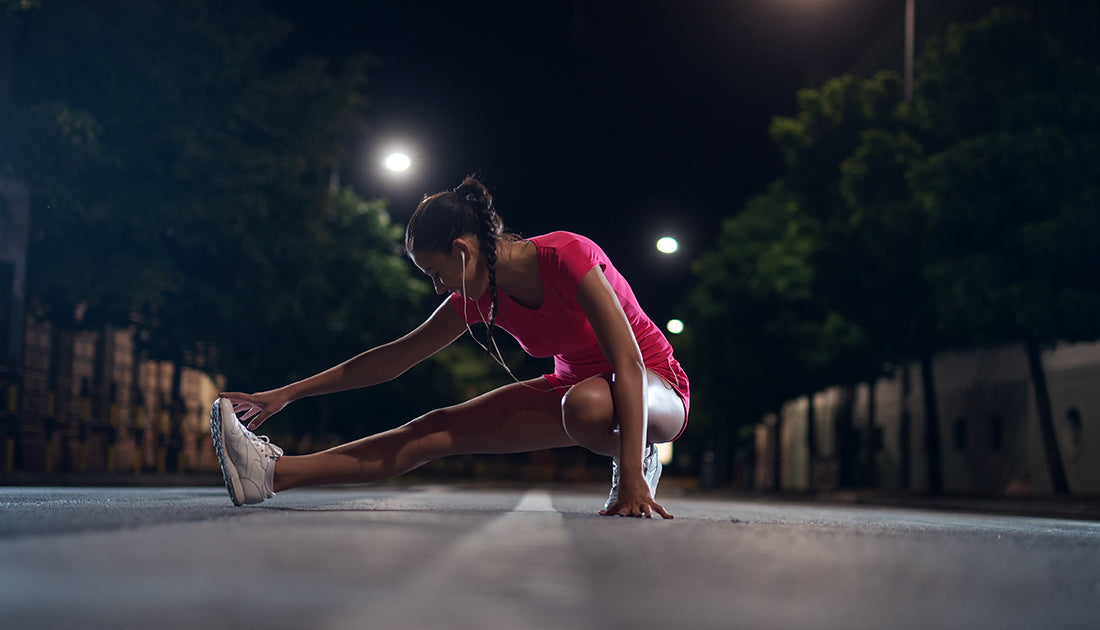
x: 559, y: 328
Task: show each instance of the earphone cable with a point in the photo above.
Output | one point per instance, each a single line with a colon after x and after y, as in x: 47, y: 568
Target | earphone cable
x: 498, y: 357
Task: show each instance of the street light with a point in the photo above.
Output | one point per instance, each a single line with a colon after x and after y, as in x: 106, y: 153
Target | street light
x: 910, y: 19
x: 397, y: 162
x: 675, y: 326
x: 667, y: 245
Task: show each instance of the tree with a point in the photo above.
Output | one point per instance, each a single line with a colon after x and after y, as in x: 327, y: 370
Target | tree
x: 1009, y: 187
x: 889, y: 229
x: 178, y: 155
x: 851, y: 275
x: 147, y: 139
x: 760, y: 334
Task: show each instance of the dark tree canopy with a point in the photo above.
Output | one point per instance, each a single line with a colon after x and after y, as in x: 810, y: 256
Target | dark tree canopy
x: 179, y: 156
x: 963, y: 219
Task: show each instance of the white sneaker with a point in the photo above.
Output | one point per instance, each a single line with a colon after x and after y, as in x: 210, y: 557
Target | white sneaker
x: 248, y: 461
x: 651, y: 470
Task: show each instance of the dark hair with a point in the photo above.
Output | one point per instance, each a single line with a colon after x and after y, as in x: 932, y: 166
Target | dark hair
x: 468, y: 209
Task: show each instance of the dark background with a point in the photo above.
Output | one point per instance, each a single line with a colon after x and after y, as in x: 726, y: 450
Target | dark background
x: 624, y: 121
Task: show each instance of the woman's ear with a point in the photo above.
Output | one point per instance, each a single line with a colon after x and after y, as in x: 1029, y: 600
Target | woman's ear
x: 463, y: 249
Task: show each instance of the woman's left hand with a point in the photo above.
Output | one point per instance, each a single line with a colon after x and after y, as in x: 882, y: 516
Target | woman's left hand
x: 635, y: 500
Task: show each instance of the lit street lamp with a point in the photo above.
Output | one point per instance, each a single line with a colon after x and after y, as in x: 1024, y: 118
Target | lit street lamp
x: 667, y: 245
x: 395, y: 165
x: 397, y: 162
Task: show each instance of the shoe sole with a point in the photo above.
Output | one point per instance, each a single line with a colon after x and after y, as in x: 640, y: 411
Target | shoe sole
x: 229, y: 472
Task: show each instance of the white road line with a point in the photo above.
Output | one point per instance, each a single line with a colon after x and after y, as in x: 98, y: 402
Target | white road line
x: 536, y: 501
x: 498, y: 573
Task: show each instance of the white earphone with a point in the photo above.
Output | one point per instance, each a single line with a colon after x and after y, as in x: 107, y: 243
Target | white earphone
x: 498, y: 357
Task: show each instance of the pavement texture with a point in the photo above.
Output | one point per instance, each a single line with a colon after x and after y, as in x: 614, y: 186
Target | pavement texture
x: 520, y: 557
x: 1074, y: 506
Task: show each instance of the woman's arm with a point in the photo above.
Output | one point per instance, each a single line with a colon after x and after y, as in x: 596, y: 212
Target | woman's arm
x: 628, y: 388
x: 377, y: 365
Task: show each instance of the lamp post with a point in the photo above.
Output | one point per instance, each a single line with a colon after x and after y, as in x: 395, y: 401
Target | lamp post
x: 910, y: 19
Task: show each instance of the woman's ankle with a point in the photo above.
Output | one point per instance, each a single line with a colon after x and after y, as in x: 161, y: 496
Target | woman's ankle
x: 283, y: 479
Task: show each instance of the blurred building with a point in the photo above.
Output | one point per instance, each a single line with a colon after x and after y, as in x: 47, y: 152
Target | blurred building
x: 87, y: 400
x: 876, y: 435
x: 14, y: 226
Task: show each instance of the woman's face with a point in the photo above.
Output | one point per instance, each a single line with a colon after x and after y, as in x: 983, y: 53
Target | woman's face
x: 446, y: 270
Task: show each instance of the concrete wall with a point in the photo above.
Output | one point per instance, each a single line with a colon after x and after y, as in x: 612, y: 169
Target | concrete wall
x: 989, y: 429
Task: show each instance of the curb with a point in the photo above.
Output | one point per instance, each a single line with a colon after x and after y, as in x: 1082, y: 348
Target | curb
x: 1076, y: 507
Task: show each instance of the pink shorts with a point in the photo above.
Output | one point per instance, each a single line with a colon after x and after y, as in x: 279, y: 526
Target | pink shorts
x: 563, y: 383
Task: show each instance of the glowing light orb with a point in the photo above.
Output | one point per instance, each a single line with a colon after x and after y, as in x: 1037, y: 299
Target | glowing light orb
x: 675, y: 326
x: 667, y: 245
x: 398, y: 162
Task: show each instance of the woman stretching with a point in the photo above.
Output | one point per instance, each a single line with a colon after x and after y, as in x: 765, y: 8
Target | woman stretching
x: 615, y: 390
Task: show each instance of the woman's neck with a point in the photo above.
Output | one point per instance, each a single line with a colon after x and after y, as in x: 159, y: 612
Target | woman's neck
x: 518, y: 270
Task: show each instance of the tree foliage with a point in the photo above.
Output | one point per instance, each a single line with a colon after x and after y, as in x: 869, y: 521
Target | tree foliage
x: 1010, y: 183
x: 961, y: 220
x: 1009, y: 191
x: 760, y: 334
x: 854, y: 276
x: 179, y: 157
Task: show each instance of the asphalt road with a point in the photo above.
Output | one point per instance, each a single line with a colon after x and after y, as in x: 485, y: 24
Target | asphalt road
x: 485, y: 558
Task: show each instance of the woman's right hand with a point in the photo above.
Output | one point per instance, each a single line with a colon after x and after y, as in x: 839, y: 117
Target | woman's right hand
x: 254, y: 409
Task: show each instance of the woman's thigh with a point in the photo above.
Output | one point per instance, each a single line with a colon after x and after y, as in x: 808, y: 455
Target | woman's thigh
x: 515, y: 418
x: 665, y: 409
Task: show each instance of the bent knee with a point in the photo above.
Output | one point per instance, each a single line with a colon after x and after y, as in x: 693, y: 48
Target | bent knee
x: 588, y: 407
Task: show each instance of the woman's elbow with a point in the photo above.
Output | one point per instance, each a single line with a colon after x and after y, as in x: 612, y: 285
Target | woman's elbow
x: 629, y: 367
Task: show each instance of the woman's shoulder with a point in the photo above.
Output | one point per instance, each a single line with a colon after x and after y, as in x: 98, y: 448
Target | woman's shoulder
x: 563, y: 239
x: 568, y: 256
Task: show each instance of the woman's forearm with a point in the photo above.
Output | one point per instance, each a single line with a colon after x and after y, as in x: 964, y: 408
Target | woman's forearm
x: 629, y: 392
x: 386, y: 362
x: 372, y: 367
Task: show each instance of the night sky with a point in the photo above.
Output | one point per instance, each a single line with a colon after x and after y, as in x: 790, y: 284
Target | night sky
x: 619, y: 120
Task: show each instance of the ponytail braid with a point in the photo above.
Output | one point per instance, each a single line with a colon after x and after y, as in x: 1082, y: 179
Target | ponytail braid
x: 488, y: 242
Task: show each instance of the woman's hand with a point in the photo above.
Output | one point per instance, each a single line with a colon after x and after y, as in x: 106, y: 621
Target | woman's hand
x: 634, y: 500
x: 254, y: 409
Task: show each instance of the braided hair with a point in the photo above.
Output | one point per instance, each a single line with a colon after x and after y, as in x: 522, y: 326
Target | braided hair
x: 468, y: 209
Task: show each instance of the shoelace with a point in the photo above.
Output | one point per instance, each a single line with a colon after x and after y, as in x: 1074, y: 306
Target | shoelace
x: 263, y: 444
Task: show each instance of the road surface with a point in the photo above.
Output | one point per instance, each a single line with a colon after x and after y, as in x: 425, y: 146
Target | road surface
x: 522, y: 557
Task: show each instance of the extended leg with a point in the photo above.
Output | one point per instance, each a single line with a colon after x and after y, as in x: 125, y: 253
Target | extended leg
x: 512, y: 419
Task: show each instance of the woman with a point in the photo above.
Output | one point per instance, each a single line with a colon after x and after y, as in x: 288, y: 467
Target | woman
x: 615, y: 389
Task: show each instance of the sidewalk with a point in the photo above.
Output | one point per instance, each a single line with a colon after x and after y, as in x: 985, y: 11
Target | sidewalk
x: 1078, y: 507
